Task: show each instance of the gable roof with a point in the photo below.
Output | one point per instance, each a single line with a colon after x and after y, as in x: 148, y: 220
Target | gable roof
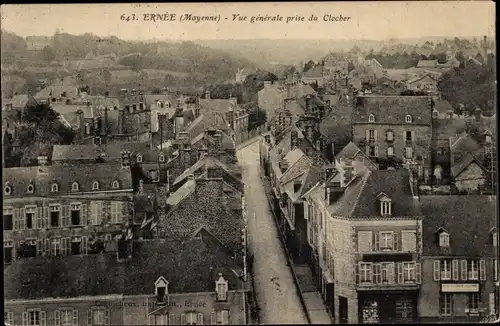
x: 84, y: 174
x: 416, y: 79
x: 111, y: 151
x: 102, y: 274
x: 314, y: 72
x: 464, y: 162
x: 393, y: 109
x: 467, y: 219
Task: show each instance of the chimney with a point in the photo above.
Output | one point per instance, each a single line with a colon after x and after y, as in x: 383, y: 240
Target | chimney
x: 81, y: 124
x: 294, y: 139
x: 121, y: 120
x: 125, y: 159
x: 207, y: 94
x: 477, y: 114
x: 197, y: 107
x: 179, y: 120
x: 309, y: 103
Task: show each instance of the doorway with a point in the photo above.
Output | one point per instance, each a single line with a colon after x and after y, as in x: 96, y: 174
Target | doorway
x: 343, y: 313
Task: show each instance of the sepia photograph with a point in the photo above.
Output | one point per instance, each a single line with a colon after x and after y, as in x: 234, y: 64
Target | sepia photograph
x: 249, y: 163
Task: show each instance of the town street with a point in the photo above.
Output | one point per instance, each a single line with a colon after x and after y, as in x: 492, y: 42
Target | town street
x: 276, y: 293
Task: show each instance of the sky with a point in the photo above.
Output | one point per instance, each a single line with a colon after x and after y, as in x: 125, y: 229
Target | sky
x: 368, y: 20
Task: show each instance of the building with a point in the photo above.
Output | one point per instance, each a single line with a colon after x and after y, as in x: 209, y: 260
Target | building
x: 394, y: 129
x: 426, y: 83
x: 459, y: 259
x: 315, y: 75
x: 375, y: 225
x: 145, y: 283
x: 56, y: 94
x: 64, y: 210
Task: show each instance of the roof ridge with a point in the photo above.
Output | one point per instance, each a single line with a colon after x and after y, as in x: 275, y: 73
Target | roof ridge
x: 366, y: 176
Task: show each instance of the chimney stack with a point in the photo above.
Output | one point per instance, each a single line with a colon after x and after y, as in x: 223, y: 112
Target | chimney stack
x: 121, y: 120
x: 81, y: 124
x: 125, y: 159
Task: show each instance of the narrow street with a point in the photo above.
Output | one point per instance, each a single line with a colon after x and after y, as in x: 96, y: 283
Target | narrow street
x: 276, y: 293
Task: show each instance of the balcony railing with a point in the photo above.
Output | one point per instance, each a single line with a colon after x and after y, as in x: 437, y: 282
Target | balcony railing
x: 388, y: 274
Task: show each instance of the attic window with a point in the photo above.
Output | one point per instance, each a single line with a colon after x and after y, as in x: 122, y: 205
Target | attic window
x: 488, y: 138
x: 74, y: 186
x: 7, y: 190
x: 161, y: 158
x: 221, y: 288
x: 371, y: 118
x: 139, y: 158
x: 167, y: 105
x: 95, y: 185
x: 444, y: 240
x: 55, y: 187
x: 161, y: 289
x: 385, y: 204
x: 31, y: 189
x: 116, y: 184
x: 408, y: 118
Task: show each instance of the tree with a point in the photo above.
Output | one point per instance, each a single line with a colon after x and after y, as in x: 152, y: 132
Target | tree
x: 48, y: 54
x: 350, y: 66
x: 105, y: 74
x: 308, y: 65
x: 156, y: 90
x: 256, y: 118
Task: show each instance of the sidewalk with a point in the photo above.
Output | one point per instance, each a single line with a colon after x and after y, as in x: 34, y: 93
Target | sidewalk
x: 314, y: 307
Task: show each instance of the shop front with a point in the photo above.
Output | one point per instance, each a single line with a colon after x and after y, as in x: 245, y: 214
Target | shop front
x: 391, y: 307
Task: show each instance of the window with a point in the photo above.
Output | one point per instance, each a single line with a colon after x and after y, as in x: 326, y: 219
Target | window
x: 116, y: 184
x: 66, y: 317
x: 473, y: 303
x: 34, y: 318
x: 29, y: 213
x: 161, y: 288
x: 390, y: 136
x: 116, y: 211
x: 221, y: 288
x: 371, y: 118
x: 153, y: 175
x: 446, y: 267
x: 408, y: 136
x: 365, y: 273
x: 55, y: 187
x: 409, y: 241
x: 55, y: 211
x: 98, y: 316
x: 445, y: 304
x: 371, y: 134
x: 390, y: 151
x: 365, y: 241
x: 296, y: 186
x: 139, y: 158
x: 76, y: 214
x: 444, y: 240
x: 8, y: 214
x: 408, y: 118
x: 386, y: 240
x: 387, y: 272
x: 87, y: 129
x: 76, y: 245
x: 95, y: 185
x: 473, y: 269
x: 56, y: 247
x: 96, y: 212
x: 75, y: 186
x: 409, y: 152
x: 372, y: 151
x: 385, y: 207
x: 488, y: 138
x: 8, y: 247
x: 220, y: 317
x: 409, y: 273
x: 31, y: 189
x: 193, y: 318
x: 9, y: 318
x: 494, y: 237
x: 7, y: 190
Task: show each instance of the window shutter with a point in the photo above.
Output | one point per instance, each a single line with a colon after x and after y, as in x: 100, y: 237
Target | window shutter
x: 395, y: 239
x: 63, y: 246
x: 482, y: 270
x: 356, y: 271
x: 376, y: 242
x: 39, y: 248
x: 89, y: 317
x: 75, y: 317
x: 46, y: 215
x: 213, y: 321
x: 39, y: 218
x: 437, y: 270
x: 399, y: 266
x: 413, y: 136
x: 46, y: 247
x: 22, y: 218
x: 225, y: 317
x: 171, y: 319
x: 495, y: 269
x: 17, y: 221
x: 365, y: 239
x: 84, y: 214
x: 57, y: 317
x: 454, y: 264
x: 25, y: 318
x: 463, y: 269
x: 151, y: 320
x: 375, y: 134
x: 43, y: 318
x: 367, y: 150
x: 200, y: 319
x: 106, y: 317
x: 377, y: 277
x: 367, y: 134
x: 68, y: 246
x: 492, y: 303
x: 391, y: 273
x: 418, y: 273
x: 376, y: 151
x: 386, y: 136
x: 84, y: 245
x: 65, y: 215
x: 183, y: 319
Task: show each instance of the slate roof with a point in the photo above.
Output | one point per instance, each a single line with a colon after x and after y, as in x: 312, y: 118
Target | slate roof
x: 442, y: 106
x: 111, y: 151
x: 19, y: 101
x: 337, y: 124
x: 182, y: 193
x: 360, y: 197
x: 468, y: 220
x: 204, y: 122
x: 446, y: 128
x: 216, y: 105
x: 226, y: 141
x: 84, y: 174
x: 463, y: 163
x: 393, y: 109
x: 57, y: 91
x: 350, y: 151
x: 102, y: 274
x: 314, y: 72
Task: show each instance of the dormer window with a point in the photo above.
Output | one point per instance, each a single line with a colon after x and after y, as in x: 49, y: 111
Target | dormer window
x: 55, y: 187
x: 139, y: 158
x: 7, y: 189
x: 488, y: 138
x: 116, y: 184
x: 75, y: 186
x: 444, y: 240
x: 221, y: 288
x: 161, y: 289
x: 161, y: 158
x: 167, y: 105
x: 408, y: 118
x: 95, y: 185
x: 494, y: 237
x: 371, y: 118
x: 385, y: 204
x: 31, y: 189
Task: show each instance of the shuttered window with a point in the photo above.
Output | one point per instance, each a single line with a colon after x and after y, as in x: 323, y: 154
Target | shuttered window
x: 455, y: 270
x: 365, y: 241
x: 482, y: 270
x: 409, y: 241
x: 437, y: 270
x: 463, y: 270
